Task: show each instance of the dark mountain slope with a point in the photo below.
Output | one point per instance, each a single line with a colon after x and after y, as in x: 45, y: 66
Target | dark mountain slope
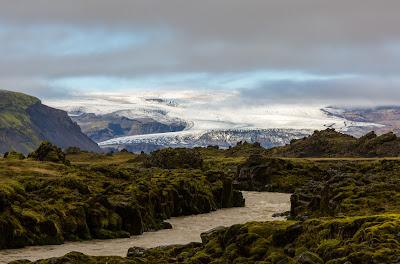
x: 25, y: 122
x: 104, y: 127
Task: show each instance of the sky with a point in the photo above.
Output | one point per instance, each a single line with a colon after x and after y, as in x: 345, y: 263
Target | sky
x: 343, y: 52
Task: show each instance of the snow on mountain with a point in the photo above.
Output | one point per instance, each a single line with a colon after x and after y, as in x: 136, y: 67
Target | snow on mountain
x: 216, y: 117
x: 222, y: 138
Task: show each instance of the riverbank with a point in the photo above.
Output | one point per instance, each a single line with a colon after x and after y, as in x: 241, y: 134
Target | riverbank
x: 186, y: 229
x: 45, y: 202
x: 342, y: 211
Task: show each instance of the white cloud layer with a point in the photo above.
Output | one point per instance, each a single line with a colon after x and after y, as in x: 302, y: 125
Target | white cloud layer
x: 333, y: 52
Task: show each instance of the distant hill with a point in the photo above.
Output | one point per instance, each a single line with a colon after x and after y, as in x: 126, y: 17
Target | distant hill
x: 330, y: 143
x: 387, y: 116
x: 25, y: 122
x: 108, y: 126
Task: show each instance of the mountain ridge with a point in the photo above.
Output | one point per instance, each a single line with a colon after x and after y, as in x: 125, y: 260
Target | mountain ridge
x: 25, y: 122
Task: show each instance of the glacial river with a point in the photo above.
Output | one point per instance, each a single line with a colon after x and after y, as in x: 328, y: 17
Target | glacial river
x: 186, y: 229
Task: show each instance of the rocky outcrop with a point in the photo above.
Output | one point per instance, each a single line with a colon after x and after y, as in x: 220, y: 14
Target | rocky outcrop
x: 350, y: 188
x: 257, y: 173
x: 25, y: 122
x: 50, y: 200
x: 261, y: 173
x: 325, y: 187
x: 174, y: 158
x: 330, y: 143
x: 48, y: 152
x: 367, y: 239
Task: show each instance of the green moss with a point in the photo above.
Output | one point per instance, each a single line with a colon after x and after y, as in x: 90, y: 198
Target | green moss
x: 347, y: 208
x: 328, y: 240
x: 173, y: 158
x: 14, y: 155
x: 16, y: 100
x: 48, y: 152
x: 31, y: 214
x: 104, y: 197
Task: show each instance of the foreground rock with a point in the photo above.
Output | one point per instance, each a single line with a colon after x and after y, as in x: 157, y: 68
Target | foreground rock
x: 350, y: 188
x: 326, y: 187
x: 46, y: 199
x: 368, y: 239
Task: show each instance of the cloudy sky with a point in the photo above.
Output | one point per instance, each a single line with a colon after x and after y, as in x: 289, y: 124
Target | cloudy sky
x: 333, y: 52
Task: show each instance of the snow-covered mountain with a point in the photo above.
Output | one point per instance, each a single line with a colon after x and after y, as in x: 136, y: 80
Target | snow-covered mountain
x: 222, y: 138
x: 387, y: 116
x: 209, y: 118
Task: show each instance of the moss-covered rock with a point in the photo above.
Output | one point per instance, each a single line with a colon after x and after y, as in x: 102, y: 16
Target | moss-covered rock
x: 349, y: 188
x: 261, y: 173
x: 343, y: 210
x: 51, y: 202
x: 174, y: 158
x: 330, y: 143
x: 368, y: 239
x: 14, y: 155
x: 48, y: 152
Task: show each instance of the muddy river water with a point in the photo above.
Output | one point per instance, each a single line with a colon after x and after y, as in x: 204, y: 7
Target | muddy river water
x: 259, y: 207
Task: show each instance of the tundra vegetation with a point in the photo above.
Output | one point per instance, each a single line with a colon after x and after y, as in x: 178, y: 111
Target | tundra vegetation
x: 345, y: 200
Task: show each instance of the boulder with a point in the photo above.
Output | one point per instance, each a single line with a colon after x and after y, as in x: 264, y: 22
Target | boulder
x: 136, y: 252
x: 205, y: 237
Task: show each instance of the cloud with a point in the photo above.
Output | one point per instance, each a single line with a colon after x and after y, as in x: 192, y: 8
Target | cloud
x: 228, y: 43
x: 353, y: 91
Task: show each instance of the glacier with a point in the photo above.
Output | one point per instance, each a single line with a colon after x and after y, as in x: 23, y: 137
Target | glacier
x: 212, y: 118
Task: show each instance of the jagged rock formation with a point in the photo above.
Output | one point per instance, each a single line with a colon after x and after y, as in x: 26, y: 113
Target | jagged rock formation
x: 170, y: 158
x: 25, y: 122
x: 45, y: 199
x: 349, y: 188
x: 330, y: 143
x: 261, y: 173
x: 363, y: 239
x: 326, y: 187
x: 48, y: 152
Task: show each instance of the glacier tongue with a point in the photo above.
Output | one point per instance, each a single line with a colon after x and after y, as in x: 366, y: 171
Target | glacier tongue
x: 212, y: 118
x: 223, y: 138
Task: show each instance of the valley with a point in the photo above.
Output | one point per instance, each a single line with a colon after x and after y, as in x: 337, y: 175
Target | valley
x: 344, y: 203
